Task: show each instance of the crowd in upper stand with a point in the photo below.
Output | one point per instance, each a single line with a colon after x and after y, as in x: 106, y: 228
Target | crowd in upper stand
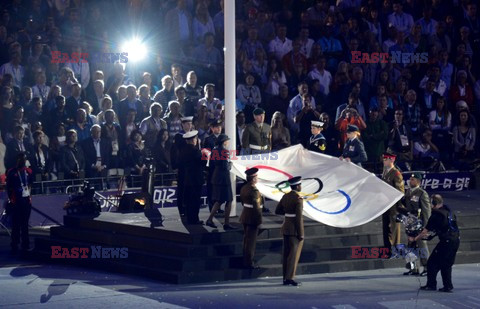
x: 101, y: 115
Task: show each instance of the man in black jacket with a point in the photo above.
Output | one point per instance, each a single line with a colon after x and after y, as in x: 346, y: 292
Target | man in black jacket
x: 97, y: 152
x: 40, y: 159
x: 17, y: 145
x: 191, y: 159
x: 72, y: 158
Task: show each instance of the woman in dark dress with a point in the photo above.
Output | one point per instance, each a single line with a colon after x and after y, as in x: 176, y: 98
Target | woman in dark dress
x: 221, y: 183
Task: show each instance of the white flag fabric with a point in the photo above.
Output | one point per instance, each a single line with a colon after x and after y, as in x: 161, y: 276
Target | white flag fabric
x: 336, y: 193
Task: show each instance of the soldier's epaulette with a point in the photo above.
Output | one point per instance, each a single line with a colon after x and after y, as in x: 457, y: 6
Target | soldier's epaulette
x: 398, y: 174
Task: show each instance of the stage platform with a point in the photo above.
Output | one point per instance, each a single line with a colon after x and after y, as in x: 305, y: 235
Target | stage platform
x: 181, y: 253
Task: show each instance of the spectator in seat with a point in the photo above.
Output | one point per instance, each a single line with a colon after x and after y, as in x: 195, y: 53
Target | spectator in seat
x: 208, y: 59
x: 162, y: 152
x: 278, y: 103
x: 426, y: 153
x: 462, y: 91
x: 322, y: 75
x: 81, y: 126
x: 105, y: 105
x: 144, y: 98
x: 275, y: 78
x: 97, y: 152
x: 202, y: 23
x: 464, y: 139
x: 136, y: 154
x: 15, y: 146
x: 147, y: 80
x: 304, y: 119
x: 249, y: 95
x: 166, y: 94
x: 293, y: 58
x: 400, y: 141
x: 72, y: 158
x: 374, y: 137
x: 40, y: 159
x: 280, y: 45
x: 280, y: 134
x: 194, y: 92
x: 150, y: 126
x: 111, y: 130
x: 57, y: 142
x: 210, y: 101
x: 130, y: 102
x: 173, y: 119
x: 73, y: 102
x: 413, y: 113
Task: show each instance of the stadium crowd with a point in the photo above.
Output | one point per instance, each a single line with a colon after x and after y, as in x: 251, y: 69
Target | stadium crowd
x: 104, y: 116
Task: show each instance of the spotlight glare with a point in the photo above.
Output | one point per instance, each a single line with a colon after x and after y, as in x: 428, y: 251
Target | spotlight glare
x: 136, y: 50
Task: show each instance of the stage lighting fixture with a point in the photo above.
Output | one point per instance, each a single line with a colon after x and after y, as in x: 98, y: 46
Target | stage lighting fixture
x: 136, y: 50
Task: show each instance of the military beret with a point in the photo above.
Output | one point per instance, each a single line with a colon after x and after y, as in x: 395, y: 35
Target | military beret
x: 352, y: 128
x: 251, y: 171
x: 388, y: 155
x: 258, y: 111
x: 417, y: 175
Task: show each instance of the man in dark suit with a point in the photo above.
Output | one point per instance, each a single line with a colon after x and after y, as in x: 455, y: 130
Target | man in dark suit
x: 428, y: 98
x: 72, y: 158
x: 17, y: 145
x: 191, y: 159
x: 130, y: 102
x: 97, y: 152
x: 73, y: 102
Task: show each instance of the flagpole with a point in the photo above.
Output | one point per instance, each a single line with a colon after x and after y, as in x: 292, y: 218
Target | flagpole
x: 229, y: 50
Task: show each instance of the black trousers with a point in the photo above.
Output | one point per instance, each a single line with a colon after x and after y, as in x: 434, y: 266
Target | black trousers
x: 180, y: 190
x: 20, y: 218
x: 442, y: 259
x: 193, y: 199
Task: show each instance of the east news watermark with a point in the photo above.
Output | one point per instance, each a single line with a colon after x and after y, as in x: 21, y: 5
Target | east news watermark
x: 92, y: 252
x: 393, y: 57
x: 359, y: 252
x: 60, y: 57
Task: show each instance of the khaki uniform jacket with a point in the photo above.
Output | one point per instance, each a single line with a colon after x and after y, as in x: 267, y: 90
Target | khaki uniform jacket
x: 249, y: 194
x: 291, y: 203
x: 416, y: 199
x: 253, y: 135
x: 395, y: 179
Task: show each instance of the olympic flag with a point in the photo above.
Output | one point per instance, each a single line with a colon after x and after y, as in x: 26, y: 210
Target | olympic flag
x: 336, y: 193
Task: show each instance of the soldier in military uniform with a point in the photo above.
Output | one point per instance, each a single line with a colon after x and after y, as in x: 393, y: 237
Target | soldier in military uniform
x: 391, y: 228
x: 251, y: 216
x: 354, y: 150
x: 291, y: 206
x: 209, y: 143
x: 257, y: 137
x: 318, y: 142
x: 417, y: 202
x: 443, y: 222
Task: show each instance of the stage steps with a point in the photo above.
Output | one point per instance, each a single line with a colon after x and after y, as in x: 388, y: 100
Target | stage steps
x: 200, y: 254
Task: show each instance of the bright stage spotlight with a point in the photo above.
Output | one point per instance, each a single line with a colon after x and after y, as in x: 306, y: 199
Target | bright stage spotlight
x: 136, y: 50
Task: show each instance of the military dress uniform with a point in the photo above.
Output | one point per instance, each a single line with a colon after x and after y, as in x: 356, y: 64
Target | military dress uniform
x: 417, y: 202
x: 291, y: 206
x: 257, y: 137
x: 251, y: 218
x: 318, y: 143
x: 391, y: 228
x: 210, y: 142
x: 355, y: 150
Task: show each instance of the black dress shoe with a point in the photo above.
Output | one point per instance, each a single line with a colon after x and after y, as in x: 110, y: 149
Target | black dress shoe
x: 210, y: 224
x: 291, y: 282
x: 408, y: 273
x: 427, y: 288
x: 423, y: 273
x: 446, y: 290
x: 227, y: 227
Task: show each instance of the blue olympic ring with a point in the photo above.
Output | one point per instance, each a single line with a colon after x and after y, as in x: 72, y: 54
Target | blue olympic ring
x: 349, y: 203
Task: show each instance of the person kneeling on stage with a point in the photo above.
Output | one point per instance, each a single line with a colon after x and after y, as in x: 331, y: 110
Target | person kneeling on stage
x: 318, y: 143
x: 291, y: 206
x: 417, y: 203
x: 19, y: 186
x: 251, y: 216
x: 221, y: 183
x: 443, y: 222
